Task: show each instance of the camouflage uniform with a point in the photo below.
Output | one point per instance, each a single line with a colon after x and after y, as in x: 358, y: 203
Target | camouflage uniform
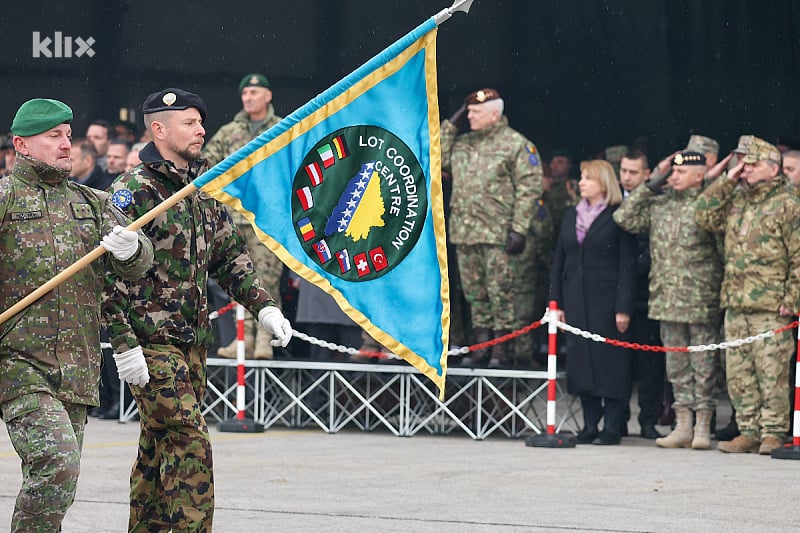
x: 228, y: 139
x: 529, y: 304
x: 497, y: 179
x: 50, y: 352
x: 167, y: 314
x: 685, y: 277
x: 762, y: 272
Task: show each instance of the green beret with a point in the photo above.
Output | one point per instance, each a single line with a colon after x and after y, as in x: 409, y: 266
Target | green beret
x: 39, y: 115
x: 253, y: 80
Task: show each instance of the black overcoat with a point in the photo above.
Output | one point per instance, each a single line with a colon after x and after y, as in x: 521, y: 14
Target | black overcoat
x: 592, y: 282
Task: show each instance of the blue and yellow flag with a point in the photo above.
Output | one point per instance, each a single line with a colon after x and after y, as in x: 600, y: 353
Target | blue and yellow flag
x: 347, y: 192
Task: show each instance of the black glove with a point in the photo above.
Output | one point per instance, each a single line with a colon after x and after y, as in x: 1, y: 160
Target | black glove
x: 657, y: 181
x: 459, y: 118
x: 515, y: 243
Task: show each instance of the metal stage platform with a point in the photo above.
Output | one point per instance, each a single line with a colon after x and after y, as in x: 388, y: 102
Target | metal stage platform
x: 385, y: 397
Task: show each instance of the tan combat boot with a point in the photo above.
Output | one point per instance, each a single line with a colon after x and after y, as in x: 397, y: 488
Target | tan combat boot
x: 229, y: 351
x: 263, y: 345
x: 741, y: 444
x: 768, y: 444
x: 681, y: 436
x: 702, y: 430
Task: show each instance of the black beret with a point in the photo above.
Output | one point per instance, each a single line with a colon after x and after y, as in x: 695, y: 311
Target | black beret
x: 173, y: 99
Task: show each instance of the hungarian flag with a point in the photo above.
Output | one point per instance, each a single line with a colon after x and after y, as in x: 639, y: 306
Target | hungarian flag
x: 368, y: 148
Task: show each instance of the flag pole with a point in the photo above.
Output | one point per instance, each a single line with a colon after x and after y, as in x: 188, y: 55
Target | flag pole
x: 86, y: 260
x: 458, y: 5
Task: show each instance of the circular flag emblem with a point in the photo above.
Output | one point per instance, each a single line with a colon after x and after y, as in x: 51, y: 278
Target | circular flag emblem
x: 122, y: 198
x: 359, y: 202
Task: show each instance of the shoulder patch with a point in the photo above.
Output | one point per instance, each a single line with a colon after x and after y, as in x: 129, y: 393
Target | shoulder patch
x: 533, y: 159
x: 122, y: 198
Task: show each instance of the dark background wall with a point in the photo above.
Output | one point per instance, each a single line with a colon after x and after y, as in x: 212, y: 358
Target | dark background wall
x: 580, y: 74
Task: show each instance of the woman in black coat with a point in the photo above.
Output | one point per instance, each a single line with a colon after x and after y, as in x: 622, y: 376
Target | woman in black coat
x: 592, y: 279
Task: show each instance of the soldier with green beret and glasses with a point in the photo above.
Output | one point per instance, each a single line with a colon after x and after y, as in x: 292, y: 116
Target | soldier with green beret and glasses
x: 50, y: 351
x: 760, y: 218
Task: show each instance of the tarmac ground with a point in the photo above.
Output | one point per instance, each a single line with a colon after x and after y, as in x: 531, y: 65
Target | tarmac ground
x: 307, y: 480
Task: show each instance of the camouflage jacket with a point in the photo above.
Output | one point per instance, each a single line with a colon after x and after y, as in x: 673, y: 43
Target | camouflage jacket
x: 685, y: 259
x: 762, y: 242
x: 497, y: 178
x: 193, y: 239
x: 235, y: 134
x: 54, y: 344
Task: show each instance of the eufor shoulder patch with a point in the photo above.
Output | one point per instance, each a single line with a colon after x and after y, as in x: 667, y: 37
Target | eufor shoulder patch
x: 122, y: 198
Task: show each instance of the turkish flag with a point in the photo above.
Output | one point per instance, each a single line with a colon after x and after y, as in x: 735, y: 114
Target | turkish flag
x: 378, y: 258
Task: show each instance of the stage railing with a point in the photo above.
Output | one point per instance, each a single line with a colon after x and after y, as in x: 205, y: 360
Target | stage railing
x: 387, y: 397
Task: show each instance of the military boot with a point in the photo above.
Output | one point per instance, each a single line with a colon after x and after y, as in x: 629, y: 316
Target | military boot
x: 702, y: 429
x: 741, y: 444
x: 229, y: 351
x: 262, y: 348
x: 478, y: 358
x: 501, y: 353
x: 681, y: 436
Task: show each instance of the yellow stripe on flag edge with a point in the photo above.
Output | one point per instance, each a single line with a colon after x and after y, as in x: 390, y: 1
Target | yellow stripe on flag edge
x: 215, y: 189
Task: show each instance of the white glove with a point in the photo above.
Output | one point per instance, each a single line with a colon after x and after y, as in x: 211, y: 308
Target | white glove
x: 121, y: 242
x: 272, y: 320
x: 132, y: 367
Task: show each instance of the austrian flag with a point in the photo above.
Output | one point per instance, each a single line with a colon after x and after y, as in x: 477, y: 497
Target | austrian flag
x: 306, y: 200
x: 314, y: 173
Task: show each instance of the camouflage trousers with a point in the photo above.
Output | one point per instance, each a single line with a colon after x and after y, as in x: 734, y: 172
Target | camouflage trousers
x: 487, y: 277
x: 48, y: 436
x: 172, y: 483
x: 696, y: 377
x: 524, y: 296
x: 758, y: 373
x: 267, y: 266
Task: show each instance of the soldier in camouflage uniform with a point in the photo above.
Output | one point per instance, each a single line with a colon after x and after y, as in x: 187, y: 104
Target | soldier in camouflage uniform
x: 497, y: 178
x: 50, y: 352
x: 256, y: 117
x: 685, y: 277
x: 165, y: 316
x: 760, y: 290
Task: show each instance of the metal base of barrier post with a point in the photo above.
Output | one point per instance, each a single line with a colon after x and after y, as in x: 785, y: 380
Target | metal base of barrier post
x: 555, y: 440
x: 240, y: 425
x: 787, y: 452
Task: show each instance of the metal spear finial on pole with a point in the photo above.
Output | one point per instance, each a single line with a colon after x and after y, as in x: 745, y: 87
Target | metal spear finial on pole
x: 458, y: 5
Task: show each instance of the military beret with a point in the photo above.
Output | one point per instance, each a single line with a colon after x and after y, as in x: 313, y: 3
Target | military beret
x: 744, y: 143
x: 561, y: 152
x: 760, y: 150
x: 702, y: 144
x: 173, y: 100
x: 479, y: 97
x: 689, y: 158
x: 253, y: 80
x: 39, y: 115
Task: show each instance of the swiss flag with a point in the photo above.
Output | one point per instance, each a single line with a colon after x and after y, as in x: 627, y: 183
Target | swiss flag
x: 378, y: 258
x: 360, y: 262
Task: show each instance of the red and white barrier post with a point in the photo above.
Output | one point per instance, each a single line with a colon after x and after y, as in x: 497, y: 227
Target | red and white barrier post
x: 240, y: 424
x: 551, y: 439
x: 792, y: 451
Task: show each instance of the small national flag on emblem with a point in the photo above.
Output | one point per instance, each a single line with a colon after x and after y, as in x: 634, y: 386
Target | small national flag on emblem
x: 305, y: 197
x: 306, y: 229
x: 314, y: 173
x: 378, y: 258
x: 360, y: 260
x: 326, y: 153
x: 323, y: 251
x: 343, y: 257
x: 341, y: 147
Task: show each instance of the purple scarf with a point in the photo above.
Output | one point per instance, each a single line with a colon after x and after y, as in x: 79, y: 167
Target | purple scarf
x: 585, y: 214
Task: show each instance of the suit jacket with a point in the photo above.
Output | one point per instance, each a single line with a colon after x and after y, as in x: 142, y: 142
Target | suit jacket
x: 592, y: 282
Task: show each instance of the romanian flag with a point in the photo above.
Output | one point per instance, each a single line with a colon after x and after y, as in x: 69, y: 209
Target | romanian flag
x: 369, y: 149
